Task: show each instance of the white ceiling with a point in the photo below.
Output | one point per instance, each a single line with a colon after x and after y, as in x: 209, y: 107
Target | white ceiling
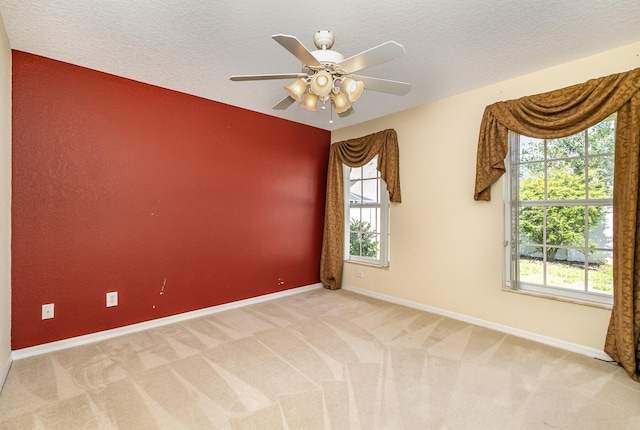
x: 194, y: 46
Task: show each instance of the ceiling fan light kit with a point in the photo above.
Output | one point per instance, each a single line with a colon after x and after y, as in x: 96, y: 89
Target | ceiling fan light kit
x: 309, y: 102
x: 297, y: 89
x: 341, y: 103
x: 353, y: 88
x: 321, y: 83
x: 327, y: 77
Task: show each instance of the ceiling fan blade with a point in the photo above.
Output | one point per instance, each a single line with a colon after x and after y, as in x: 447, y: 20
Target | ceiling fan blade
x: 265, y: 77
x: 376, y: 55
x: 284, y: 103
x: 346, y: 113
x: 293, y: 45
x: 383, y: 85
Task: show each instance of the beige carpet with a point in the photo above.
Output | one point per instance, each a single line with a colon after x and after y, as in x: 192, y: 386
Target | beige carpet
x: 318, y: 360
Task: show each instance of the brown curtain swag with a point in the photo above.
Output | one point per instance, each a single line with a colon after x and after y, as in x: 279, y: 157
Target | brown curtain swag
x: 354, y: 153
x: 562, y: 113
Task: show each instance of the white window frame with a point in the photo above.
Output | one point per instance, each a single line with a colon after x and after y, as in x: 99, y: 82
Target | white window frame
x: 383, y: 205
x: 511, y: 255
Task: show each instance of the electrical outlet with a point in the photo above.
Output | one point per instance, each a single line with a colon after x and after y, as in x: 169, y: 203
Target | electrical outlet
x: 112, y: 299
x: 359, y: 274
x: 47, y: 311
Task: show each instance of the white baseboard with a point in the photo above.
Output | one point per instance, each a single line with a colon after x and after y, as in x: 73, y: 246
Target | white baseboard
x: 5, y: 372
x: 108, y: 334
x: 568, y: 346
x: 133, y: 328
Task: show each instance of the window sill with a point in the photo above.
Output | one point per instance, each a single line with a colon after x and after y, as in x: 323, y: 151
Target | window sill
x: 558, y: 298
x: 364, y: 263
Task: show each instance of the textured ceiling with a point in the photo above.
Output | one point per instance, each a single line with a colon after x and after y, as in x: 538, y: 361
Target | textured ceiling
x: 194, y: 46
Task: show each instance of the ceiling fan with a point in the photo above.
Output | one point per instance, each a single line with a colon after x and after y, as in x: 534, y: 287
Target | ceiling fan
x: 327, y: 77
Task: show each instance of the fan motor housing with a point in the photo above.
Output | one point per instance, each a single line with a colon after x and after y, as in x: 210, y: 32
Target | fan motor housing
x: 327, y: 56
x: 323, y: 39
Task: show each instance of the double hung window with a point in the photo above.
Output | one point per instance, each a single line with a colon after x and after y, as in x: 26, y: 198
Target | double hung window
x: 366, y: 215
x: 559, y: 214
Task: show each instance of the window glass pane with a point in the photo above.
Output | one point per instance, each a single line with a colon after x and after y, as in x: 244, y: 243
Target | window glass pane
x: 531, y: 266
x: 571, y: 146
x: 565, y: 226
x: 363, y: 243
x: 354, y: 215
x: 601, y: 177
x: 574, y: 255
x: 355, y: 173
x: 370, y: 170
x: 370, y: 245
x: 601, y: 227
x: 531, y: 181
x: 565, y: 274
x: 354, y: 242
x: 601, y: 272
x: 371, y: 219
x: 355, y: 192
x: 566, y: 180
x: 357, y: 229
x: 364, y: 237
x: 531, y: 149
x: 531, y: 225
x: 370, y: 191
x: 602, y: 137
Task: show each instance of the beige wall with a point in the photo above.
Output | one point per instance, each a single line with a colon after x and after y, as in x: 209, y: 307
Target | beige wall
x: 446, y: 248
x: 5, y: 202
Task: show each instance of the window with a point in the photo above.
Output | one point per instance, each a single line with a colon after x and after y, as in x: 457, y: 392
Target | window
x: 560, y: 214
x: 366, y: 215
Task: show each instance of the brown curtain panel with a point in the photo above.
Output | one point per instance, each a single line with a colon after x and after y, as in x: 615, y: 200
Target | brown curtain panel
x: 563, y: 113
x: 354, y: 153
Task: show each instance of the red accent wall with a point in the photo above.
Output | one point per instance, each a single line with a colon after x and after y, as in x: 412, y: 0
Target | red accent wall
x: 123, y: 186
